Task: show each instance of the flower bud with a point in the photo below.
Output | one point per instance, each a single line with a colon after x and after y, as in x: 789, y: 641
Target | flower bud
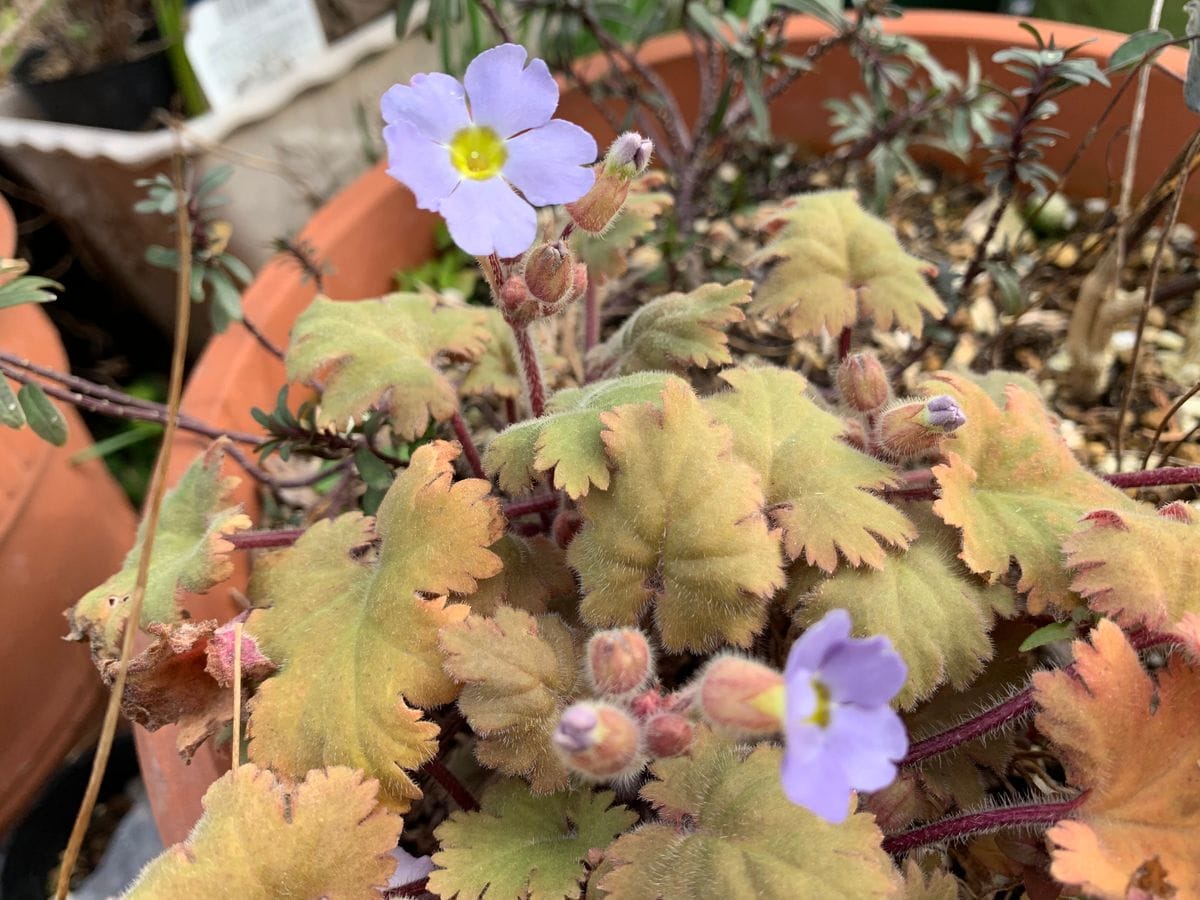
x: 550, y: 271
x: 742, y: 695
x: 618, y: 661
x: 669, y: 734
x: 626, y: 159
x: 628, y: 155
x: 514, y: 296
x: 598, y: 741
x: 862, y: 382
x: 918, y: 426
x: 580, y: 282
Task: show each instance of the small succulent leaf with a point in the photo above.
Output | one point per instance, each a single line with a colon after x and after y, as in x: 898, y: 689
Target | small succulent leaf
x: 325, y: 837
x: 11, y: 413
x: 817, y: 487
x: 675, y: 331
x: 42, y: 415
x: 831, y: 263
x: 497, y: 372
x: 937, y: 616
x: 607, y: 256
x: 1140, y: 568
x: 191, y: 555
x: 567, y: 438
x: 518, y: 673
x: 29, y: 289
x: 725, y: 829
x: 385, y: 351
x: 1131, y: 742
x: 1015, y: 490
x: 355, y: 633
x: 680, y: 528
x: 535, y: 577
x: 522, y: 846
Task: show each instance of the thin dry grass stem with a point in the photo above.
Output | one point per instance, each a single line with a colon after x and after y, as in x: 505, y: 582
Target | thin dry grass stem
x: 1162, y: 426
x: 158, y: 488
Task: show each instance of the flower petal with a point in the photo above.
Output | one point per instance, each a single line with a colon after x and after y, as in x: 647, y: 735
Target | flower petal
x: 865, y: 672
x: 488, y: 217
x: 419, y: 164
x: 810, y: 648
x: 434, y: 103
x: 507, y: 96
x: 815, y: 781
x: 867, y: 743
x: 800, y: 697
x: 547, y: 164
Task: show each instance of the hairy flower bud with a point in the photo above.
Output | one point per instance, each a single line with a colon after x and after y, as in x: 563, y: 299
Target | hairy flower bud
x: 618, y: 661
x: 550, y: 271
x: 626, y: 159
x: 628, y: 155
x: 741, y: 695
x: 918, y: 426
x: 598, y: 741
x: 668, y: 734
x: 862, y: 383
x: 514, y: 296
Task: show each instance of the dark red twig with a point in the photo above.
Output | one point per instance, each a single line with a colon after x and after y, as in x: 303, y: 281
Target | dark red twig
x: 437, y: 770
x: 981, y: 822
x: 518, y: 508
x: 470, y: 451
x: 1155, y: 477
x: 264, y: 540
x: 532, y: 368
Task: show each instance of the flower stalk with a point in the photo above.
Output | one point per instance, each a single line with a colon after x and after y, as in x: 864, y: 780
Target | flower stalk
x: 970, y: 824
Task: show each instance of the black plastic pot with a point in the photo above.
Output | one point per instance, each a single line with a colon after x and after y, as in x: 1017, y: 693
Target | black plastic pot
x: 122, y: 96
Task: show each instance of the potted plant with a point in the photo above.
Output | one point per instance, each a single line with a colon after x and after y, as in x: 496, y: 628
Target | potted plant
x: 572, y: 573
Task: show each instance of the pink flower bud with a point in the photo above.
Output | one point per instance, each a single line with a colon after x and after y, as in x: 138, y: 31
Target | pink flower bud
x: 618, y: 661
x: 668, y: 734
x: 742, y: 695
x: 580, y: 282
x: 862, y: 382
x: 628, y: 155
x: 514, y: 296
x: 598, y: 741
x: 916, y: 427
x: 550, y: 271
x: 597, y: 209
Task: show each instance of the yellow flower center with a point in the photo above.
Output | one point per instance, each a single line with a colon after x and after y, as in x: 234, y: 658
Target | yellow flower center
x: 821, y: 714
x: 478, y: 152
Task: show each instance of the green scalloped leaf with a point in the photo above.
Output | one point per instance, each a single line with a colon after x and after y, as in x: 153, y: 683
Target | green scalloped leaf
x: 675, y: 331
x: 324, y: 837
x: 680, y: 529
x: 567, y: 438
x: 831, y: 263
x: 535, y: 577
x: 521, y: 846
x: 936, y: 614
x: 726, y: 829
x: 355, y: 632
x: 818, y: 488
x: 518, y: 674
x: 385, y: 351
x: 497, y: 372
x: 190, y: 556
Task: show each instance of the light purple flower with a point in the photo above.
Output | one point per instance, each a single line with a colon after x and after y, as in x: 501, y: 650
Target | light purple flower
x: 840, y: 732
x: 464, y: 162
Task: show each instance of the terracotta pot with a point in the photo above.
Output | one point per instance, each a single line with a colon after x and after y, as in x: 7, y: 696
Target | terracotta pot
x: 372, y: 229
x: 63, y: 529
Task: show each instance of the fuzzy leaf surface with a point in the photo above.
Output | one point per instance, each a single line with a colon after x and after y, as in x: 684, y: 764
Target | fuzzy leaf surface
x: 535, y: 577
x: 497, y: 372
x: 1133, y: 745
x: 1014, y: 489
x: 832, y: 263
x: 817, y: 487
x: 680, y: 528
x: 675, y: 331
x: 355, y: 633
x: 567, y: 438
x: 385, y: 351
x: 190, y: 555
x: 726, y: 829
x: 936, y: 615
x: 518, y: 674
x: 257, y: 840
x: 523, y: 846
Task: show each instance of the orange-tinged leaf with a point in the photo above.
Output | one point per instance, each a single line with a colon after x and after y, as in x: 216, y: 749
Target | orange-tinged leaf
x: 1134, y: 747
x: 680, y: 528
x: 518, y: 674
x: 1014, y: 489
x: 936, y: 885
x: 817, y: 487
x: 832, y: 262
x: 257, y: 840
x: 355, y: 633
x: 1140, y: 568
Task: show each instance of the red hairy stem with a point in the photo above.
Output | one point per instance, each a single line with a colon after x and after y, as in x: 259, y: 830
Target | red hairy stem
x: 532, y: 368
x: 845, y: 340
x: 964, y: 826
x: 518, y: 508
x: 263, y: 540
x: 1155, y: 477
x: 437, y: 770
x: 470, y: 451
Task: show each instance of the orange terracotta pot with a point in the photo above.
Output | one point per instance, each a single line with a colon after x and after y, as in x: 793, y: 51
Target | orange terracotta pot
x: 373, y: 228
x: 63, y: 529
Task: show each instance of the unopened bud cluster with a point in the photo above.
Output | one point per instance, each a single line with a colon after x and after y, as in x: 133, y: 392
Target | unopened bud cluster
x: 862, y: 383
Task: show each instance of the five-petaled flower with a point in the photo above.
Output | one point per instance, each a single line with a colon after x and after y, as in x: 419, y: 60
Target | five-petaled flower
x: 464, y: 162
x: 841, y: 734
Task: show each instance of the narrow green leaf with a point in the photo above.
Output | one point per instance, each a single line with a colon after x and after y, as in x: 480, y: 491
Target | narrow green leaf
x: 32, y: 289
x: 10, y: 408
x: 1136, y: 46
x: 43, y: 416
x: 1048, y: 634
x: 225, y: 294
x: 374, y: 471
x: 163, y: 257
